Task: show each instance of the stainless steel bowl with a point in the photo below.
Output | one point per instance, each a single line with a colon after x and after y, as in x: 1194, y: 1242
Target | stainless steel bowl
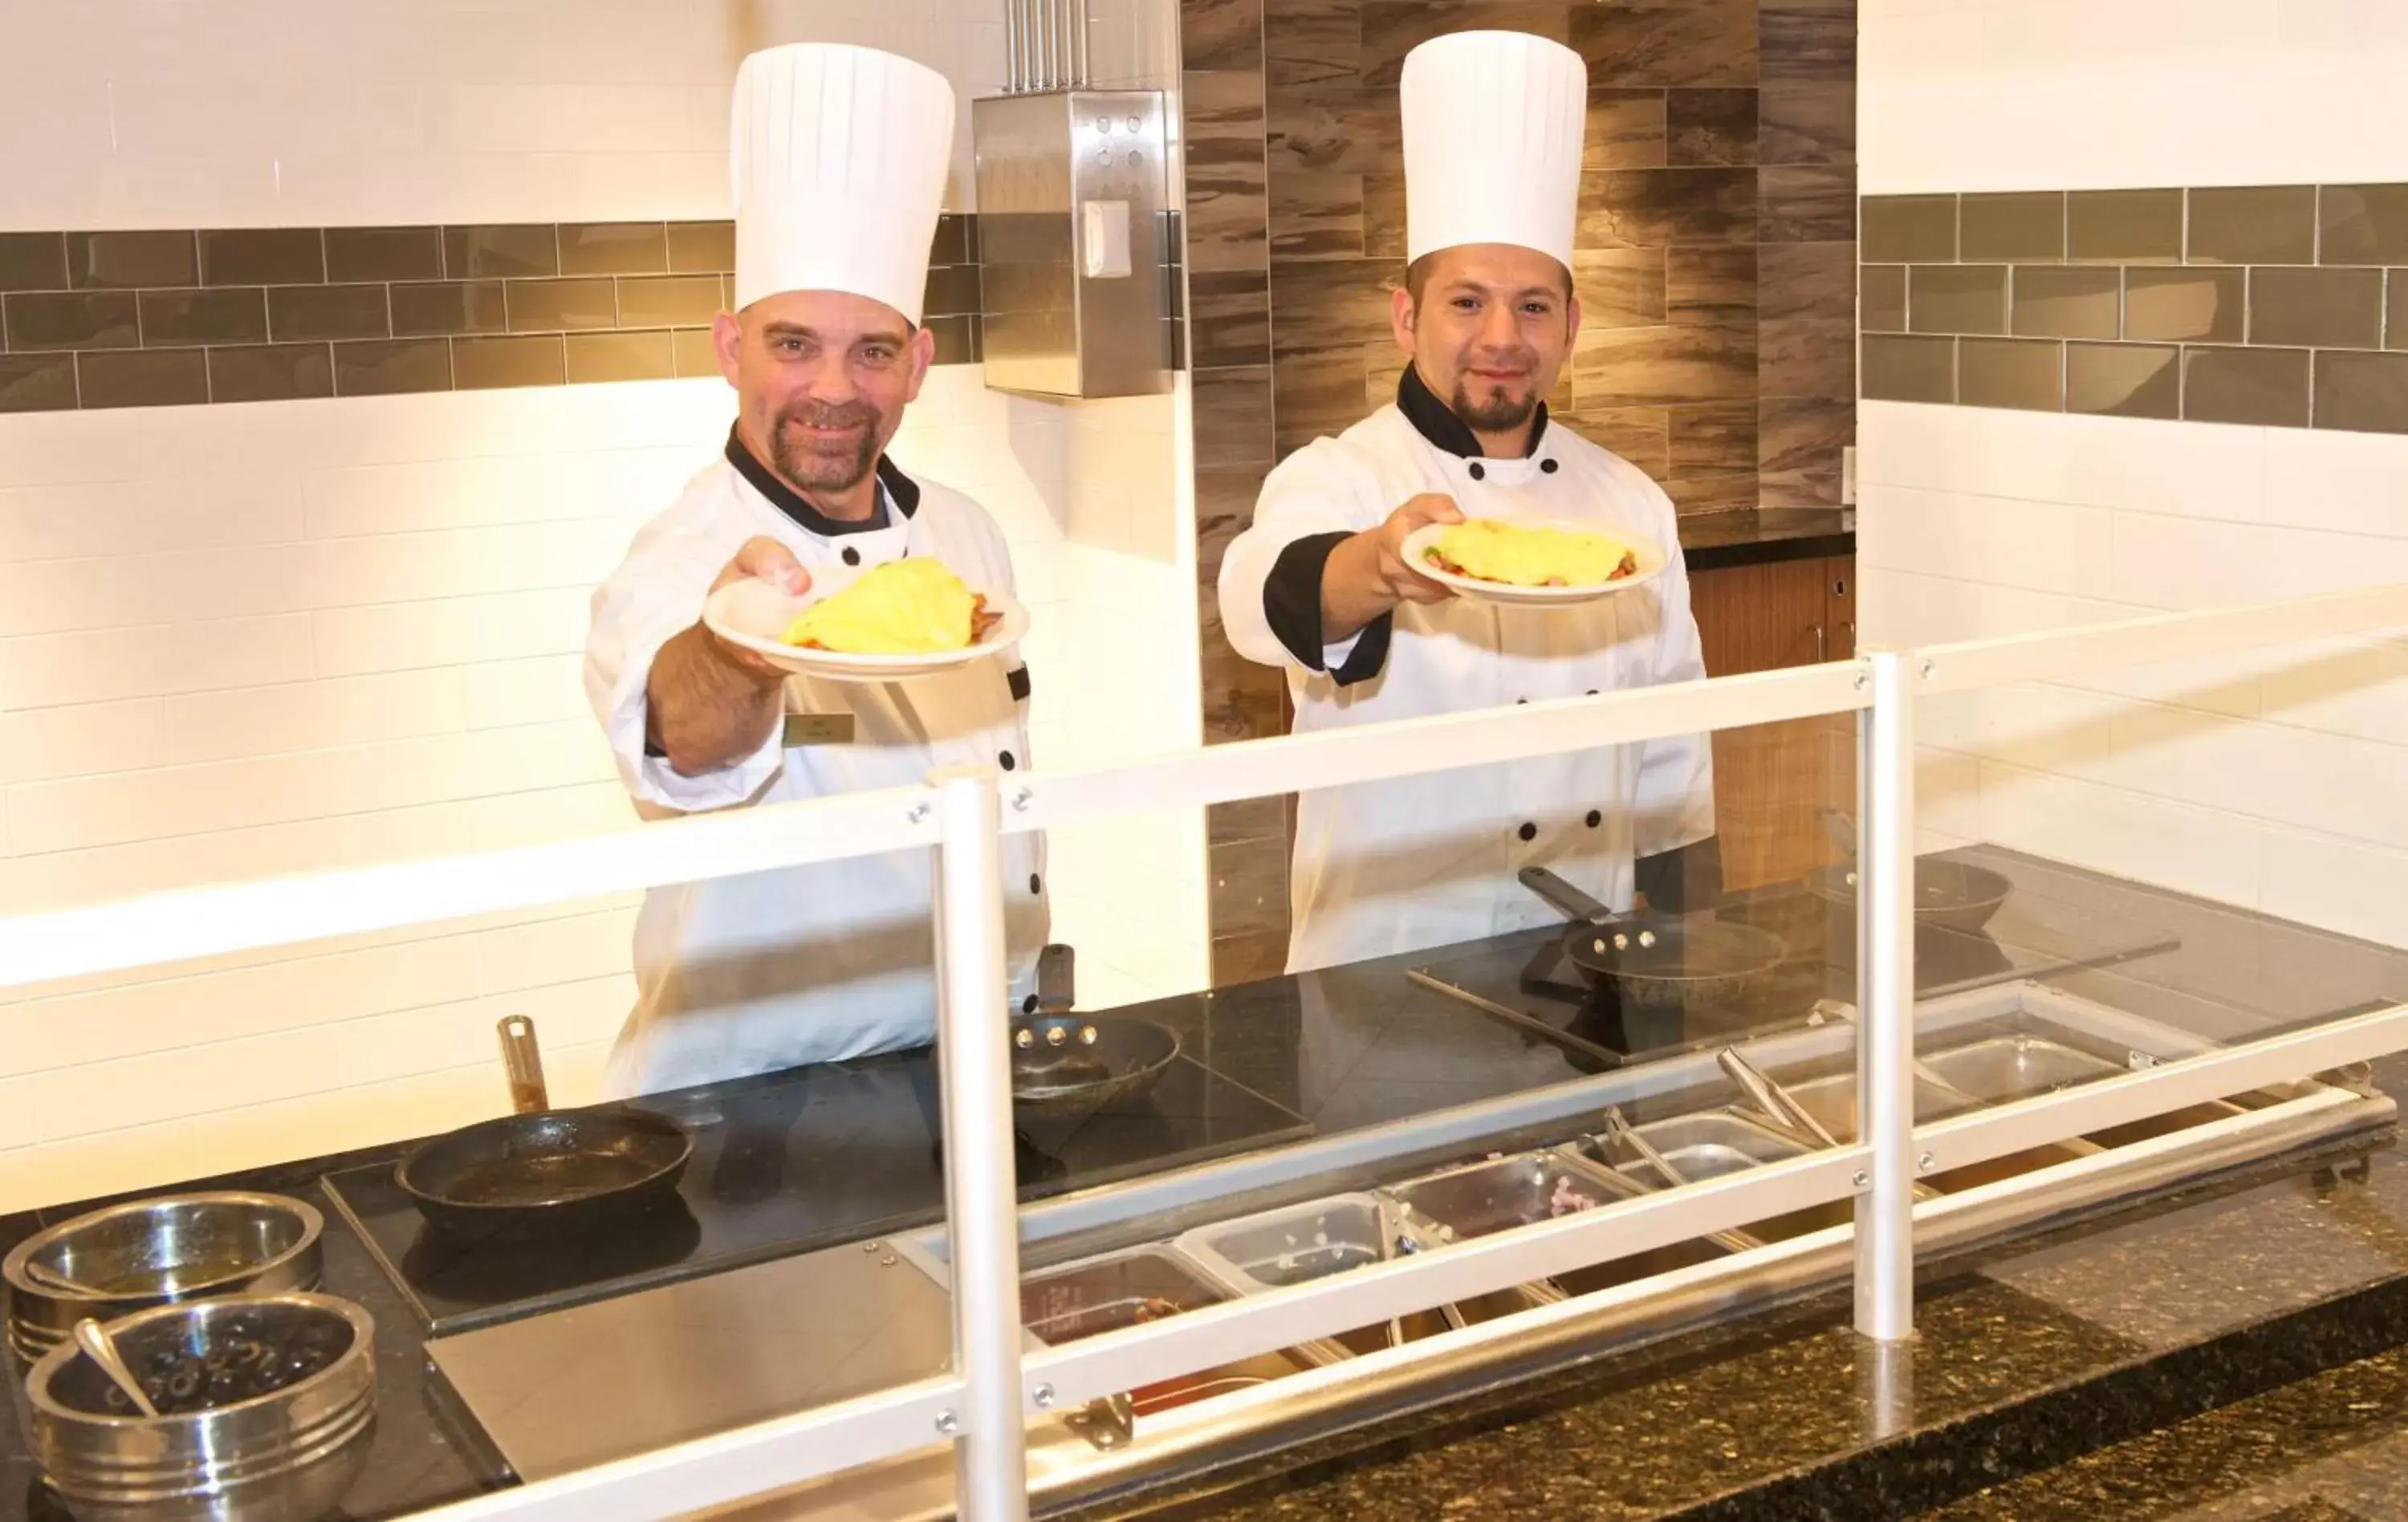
x: 285, y: 1456
x: 156, y: 1251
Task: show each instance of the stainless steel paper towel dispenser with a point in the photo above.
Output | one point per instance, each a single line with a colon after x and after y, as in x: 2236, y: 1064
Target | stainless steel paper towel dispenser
x: 1075, y: 294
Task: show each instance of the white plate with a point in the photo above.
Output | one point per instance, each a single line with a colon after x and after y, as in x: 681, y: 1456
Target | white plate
x: 1650, y: 555
x: 752, y: 614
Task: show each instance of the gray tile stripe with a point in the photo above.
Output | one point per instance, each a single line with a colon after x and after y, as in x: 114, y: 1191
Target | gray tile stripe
x: 159, y: 316
x: 2282, y: 306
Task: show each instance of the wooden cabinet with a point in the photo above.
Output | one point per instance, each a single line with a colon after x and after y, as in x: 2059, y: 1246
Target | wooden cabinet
x: 1785, y: 612
x: 1771, y: 780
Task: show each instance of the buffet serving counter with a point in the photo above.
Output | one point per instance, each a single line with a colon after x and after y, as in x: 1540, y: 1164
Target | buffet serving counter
x: 1316, y: 1125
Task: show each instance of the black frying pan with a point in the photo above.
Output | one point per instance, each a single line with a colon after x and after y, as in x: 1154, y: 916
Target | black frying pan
x: 561, y: 1167
x: 1067, y: 1066
x: 1955, y: 895
x: 557, y: 1168
x: 1064, y: 1065
x: 1659, y: 961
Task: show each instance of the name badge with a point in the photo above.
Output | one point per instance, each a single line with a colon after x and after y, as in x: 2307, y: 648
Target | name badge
x: 818, y: 730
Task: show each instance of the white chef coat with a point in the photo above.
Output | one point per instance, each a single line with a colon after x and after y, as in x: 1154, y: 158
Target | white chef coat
x: 1390, y: 866
x: 742, y: 975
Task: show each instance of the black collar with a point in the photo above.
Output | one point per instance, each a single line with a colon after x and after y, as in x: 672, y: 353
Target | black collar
x: 901, y: 490
x: 1436, y: 421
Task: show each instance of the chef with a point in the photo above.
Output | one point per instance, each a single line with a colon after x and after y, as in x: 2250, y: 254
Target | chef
x: 1318, y: 583
x: 840, y: 156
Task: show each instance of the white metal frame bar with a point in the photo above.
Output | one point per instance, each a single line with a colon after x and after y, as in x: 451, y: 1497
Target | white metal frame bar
x: 286, y: 911
x: 726, y: 1466
x: 1254, y: 1324
x: 981, y: 1194
x: 174, y: 927
x: 1884, y: 1241
x: 2161, y: 636
x: 1403, y: 748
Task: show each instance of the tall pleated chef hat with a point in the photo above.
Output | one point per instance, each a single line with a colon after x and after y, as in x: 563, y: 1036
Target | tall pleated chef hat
x: 1493, y: 128
x: 837, y: 157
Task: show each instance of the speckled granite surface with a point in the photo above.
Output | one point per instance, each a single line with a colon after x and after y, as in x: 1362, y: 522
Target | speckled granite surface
x: 2328, y: 1448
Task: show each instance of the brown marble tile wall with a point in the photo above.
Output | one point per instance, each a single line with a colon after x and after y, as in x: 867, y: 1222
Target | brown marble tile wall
x: 158, y: 317
x: 1717, y: 260
x: 1229, y: 225
x: 2283, y: 306
x: 1717, y: 272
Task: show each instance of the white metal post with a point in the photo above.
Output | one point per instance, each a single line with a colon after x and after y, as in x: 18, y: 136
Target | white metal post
x: 990, y: 1461
x: 1885, y: 1389
x: 1885, y: 1107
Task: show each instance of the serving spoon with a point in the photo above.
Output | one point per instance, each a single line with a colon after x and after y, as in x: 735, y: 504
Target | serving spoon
x: 101, y: 1348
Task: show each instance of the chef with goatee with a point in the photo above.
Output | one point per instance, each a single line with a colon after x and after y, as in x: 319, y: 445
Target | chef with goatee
x: 840, y: 156
x: 1319, y: 583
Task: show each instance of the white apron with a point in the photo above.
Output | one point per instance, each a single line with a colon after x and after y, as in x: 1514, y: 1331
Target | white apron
x: 809, y: 964
x: 1391, y: 867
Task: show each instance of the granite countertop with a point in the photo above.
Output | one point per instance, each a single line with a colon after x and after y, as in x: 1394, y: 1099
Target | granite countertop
x: 2332, y: 1447
x: 1754, y: 536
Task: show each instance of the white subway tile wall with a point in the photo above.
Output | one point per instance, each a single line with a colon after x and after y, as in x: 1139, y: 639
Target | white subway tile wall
x: 2269, y: 779
x: 2246, y: 777
x: 284, y: 112
x: 238, y: 640
x: 2048, y: 94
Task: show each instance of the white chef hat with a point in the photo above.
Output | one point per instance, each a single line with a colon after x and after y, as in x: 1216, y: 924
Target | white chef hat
x: 1493, y: 129
x: 837, y: 157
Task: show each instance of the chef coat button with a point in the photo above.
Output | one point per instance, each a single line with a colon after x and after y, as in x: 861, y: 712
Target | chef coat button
x: 1479, y: 471
x: 1006, y: 761
x: 1036, y: 883
x: 1595, y: 819
x: 1528, y: 832
x: 1547, y: 466
x: 851, y: 555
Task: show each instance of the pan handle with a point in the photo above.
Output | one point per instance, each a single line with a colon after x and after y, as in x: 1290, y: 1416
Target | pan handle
x: 522, y: 1060
x: 1057, y: 980
x: 1554, y: 890
x: 1509, y: 1016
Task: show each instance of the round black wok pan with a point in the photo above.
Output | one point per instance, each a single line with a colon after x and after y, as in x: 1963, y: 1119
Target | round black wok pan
x: 1659, y: 961
x: 1955, y: 895
x: 558, y: 1167
x: 1067, y: 1064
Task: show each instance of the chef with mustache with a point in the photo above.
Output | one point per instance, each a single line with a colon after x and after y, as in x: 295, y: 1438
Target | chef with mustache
x: 1319, y: 584
x: 839, y: 162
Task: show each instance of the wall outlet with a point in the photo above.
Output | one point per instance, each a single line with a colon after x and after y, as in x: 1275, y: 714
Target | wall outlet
x: 1848, y: 476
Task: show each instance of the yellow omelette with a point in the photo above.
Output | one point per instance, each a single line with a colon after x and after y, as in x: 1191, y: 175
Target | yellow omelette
x: 902, y: 608
x: 1518, y: 555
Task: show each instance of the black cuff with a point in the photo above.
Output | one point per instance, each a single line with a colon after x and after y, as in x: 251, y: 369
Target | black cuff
x: 1682, y: 879
x: 1292, y: 606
